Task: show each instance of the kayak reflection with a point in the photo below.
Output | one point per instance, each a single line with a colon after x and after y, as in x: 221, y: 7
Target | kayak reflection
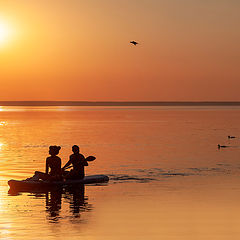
x: 59, y: 201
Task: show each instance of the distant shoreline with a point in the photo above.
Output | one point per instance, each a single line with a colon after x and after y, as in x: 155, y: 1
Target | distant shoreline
x: 113, y: 103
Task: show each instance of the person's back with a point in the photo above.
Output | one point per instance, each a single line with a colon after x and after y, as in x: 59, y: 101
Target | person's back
x: 78, y: 161
x: 54, y: 163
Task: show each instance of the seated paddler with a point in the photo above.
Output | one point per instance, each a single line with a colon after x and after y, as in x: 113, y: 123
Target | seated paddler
x: 78, y: 163
x: 53, y: 170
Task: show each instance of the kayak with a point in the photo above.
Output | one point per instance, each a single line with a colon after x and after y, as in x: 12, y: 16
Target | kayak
x: 30, y: 185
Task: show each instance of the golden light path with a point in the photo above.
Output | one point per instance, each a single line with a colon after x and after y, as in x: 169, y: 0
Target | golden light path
x: 3, y: 123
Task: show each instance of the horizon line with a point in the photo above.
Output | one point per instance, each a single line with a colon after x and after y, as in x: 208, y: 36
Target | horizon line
x: 119, y: 103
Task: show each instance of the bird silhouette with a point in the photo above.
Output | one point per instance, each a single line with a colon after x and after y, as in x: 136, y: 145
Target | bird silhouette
x: 134, y: 43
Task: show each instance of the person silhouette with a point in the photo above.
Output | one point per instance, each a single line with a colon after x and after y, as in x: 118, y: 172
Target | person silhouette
x: 53, y: 162
x: 78, y: 162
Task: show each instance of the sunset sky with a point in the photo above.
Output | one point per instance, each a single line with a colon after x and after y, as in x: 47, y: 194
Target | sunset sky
x: 79, y: 50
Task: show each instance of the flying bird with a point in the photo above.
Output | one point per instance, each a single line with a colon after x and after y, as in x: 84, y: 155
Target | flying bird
x: 134, y: 43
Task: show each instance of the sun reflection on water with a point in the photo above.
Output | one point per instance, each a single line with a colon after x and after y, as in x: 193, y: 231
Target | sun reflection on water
x: 4, y: 225
x: 1, y: 145
x: 3, y: 123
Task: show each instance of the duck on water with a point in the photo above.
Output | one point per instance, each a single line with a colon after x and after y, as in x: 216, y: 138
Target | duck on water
x: 222, y: 146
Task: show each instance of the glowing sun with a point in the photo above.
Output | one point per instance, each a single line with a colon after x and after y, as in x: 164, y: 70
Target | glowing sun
x: 5, y: 33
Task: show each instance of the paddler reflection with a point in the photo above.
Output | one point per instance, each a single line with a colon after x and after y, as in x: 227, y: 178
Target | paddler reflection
x: 53, y: 204
x: 75, y: 196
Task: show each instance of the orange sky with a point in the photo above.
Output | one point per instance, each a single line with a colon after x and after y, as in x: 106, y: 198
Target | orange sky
x: 79, y: 50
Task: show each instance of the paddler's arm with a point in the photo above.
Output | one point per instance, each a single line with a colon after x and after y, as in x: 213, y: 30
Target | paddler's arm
x: 67, y: 164
x: 47, y: 166
x: 84, y: 161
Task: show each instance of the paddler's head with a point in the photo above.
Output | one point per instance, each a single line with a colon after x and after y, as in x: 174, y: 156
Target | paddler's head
x: 54, y: 150
x: 75, y: 149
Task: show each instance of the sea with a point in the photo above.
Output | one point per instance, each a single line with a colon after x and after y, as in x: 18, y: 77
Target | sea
x: 168, y: 178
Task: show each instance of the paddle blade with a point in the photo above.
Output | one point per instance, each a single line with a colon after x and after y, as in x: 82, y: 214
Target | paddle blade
x: 90, y: 158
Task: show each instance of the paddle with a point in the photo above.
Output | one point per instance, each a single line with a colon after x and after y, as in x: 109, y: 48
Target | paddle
x: 88, y: 159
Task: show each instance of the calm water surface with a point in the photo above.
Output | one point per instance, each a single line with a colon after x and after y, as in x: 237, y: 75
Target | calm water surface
x: 168, y: 179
